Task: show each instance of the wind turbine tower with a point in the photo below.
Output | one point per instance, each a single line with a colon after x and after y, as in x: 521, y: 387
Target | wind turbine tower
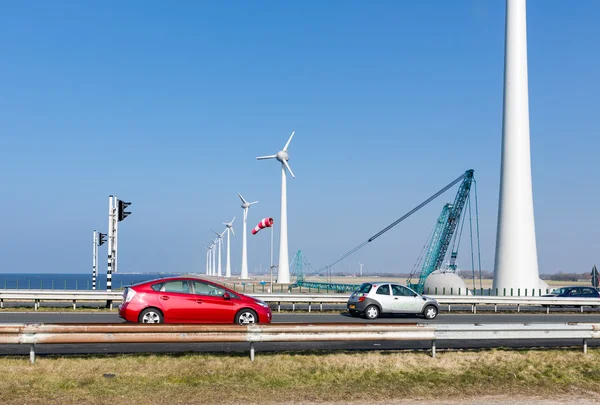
x: 516, y: 251
x: 245, y: 206
x: 229, y: 230
x: 207, y: 259
x: 213, y: 269
x: 283, y: 270
x: 220, y: 244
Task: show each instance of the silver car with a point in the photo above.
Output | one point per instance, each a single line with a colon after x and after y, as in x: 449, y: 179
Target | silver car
x: 374, y: 299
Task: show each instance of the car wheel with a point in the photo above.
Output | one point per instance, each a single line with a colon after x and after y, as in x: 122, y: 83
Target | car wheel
x: 372, y: 312
x: 151, y: 315
x: 430, y: 312
x: 246, y: 317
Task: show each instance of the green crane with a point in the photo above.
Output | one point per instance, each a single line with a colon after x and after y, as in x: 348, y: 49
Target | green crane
x: 442, y: 235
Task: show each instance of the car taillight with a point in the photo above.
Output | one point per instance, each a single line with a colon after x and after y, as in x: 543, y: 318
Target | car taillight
x: 361, y: 299
x: 130, y: 294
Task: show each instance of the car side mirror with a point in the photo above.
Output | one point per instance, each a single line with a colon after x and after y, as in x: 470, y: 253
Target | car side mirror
x: 226, y: 296
x: 415, y: 295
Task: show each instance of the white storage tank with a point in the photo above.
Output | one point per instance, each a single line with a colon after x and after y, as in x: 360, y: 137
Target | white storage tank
x: 449, y: 280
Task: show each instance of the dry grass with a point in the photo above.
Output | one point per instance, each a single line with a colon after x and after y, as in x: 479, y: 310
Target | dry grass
x: 301, y: 378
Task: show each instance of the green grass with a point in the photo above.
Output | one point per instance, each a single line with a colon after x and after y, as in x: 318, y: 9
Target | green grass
x: 338, y: 378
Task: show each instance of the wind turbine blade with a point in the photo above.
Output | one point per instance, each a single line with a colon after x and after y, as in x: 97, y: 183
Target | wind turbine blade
x: 289, y: 168
x: 214, y: 231
x: 242, y: 198
x: 232, y: 220
x: 266, y: 157
x: 285, y: 148
x: 231, y: 229
x: 255, y: 202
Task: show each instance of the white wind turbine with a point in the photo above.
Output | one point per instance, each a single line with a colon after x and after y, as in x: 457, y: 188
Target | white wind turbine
x: 245, y: 206
x: 220, y: 244
x: 229, y: 230
x: 213, y: 268
x: 207, y: 258
x: 283, y: 270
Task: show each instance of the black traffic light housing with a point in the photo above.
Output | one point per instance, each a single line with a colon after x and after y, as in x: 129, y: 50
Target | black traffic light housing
x: 101, y: 238
x: 121, y: 206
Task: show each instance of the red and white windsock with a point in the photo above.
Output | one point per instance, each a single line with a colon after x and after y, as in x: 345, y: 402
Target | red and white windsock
x: 265, y: 223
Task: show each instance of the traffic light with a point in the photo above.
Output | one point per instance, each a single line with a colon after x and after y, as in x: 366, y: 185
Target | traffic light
x: 101, y: 238
x: 122, y: 214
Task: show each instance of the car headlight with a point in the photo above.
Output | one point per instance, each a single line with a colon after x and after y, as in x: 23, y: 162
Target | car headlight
x: 262, y: 303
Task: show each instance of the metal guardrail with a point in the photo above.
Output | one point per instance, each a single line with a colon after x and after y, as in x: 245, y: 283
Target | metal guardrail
x: 311, y: 299
x: 33, y: 334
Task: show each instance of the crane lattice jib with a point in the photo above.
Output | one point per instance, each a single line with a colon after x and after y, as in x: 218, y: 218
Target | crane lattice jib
x: 455, y: 213
x: 433, y: 251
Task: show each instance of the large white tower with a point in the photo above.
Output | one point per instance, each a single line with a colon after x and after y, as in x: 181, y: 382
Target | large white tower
x: 283, y: 270
x: 229, y: 230
x: 245, y: 206
x: 516, y: 251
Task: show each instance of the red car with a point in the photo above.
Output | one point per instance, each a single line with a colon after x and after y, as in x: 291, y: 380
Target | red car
x: 190, y: 300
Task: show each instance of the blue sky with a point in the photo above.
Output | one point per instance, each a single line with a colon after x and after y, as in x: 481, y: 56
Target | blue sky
x: 167, y: 105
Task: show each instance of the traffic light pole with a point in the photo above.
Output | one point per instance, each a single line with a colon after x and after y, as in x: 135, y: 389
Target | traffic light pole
x: 95, y: 261
x: 111, y: 241
x: 115, y: 243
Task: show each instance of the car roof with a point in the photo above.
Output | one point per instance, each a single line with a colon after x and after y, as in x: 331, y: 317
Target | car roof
x: 172, y: 278
x: 384, y: 282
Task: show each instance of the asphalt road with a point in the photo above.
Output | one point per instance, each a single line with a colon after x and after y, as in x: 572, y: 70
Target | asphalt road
x: 243, y: 348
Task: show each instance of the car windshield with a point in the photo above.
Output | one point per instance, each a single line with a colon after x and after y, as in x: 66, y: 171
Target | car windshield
x: 559, y: 291
x: 364, y: 288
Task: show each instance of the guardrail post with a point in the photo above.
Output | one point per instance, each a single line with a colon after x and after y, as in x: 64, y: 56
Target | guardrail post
x: 548, y: 309
x: 279, y: 307
x: 518, y: 307
x: 2, y: 303
x: 581, y: 309
x: 495, y: 307
x: 448, y: 307
x: 74, y: 304
x: 309, y: 306
x: 251, y: 351
x: 584, y: 346
x: 293, y: 306
x: 321, y: 306
x: 433, y: 349
x: 32, y: 353
x: 474, y: 308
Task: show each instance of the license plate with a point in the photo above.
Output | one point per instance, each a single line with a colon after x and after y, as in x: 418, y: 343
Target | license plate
x: 352, y: 306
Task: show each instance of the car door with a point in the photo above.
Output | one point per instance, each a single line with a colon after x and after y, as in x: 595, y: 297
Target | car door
x: 383, y: 296
x: 177, y: 301
x: 212, y: 306
x: 404, y: 300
